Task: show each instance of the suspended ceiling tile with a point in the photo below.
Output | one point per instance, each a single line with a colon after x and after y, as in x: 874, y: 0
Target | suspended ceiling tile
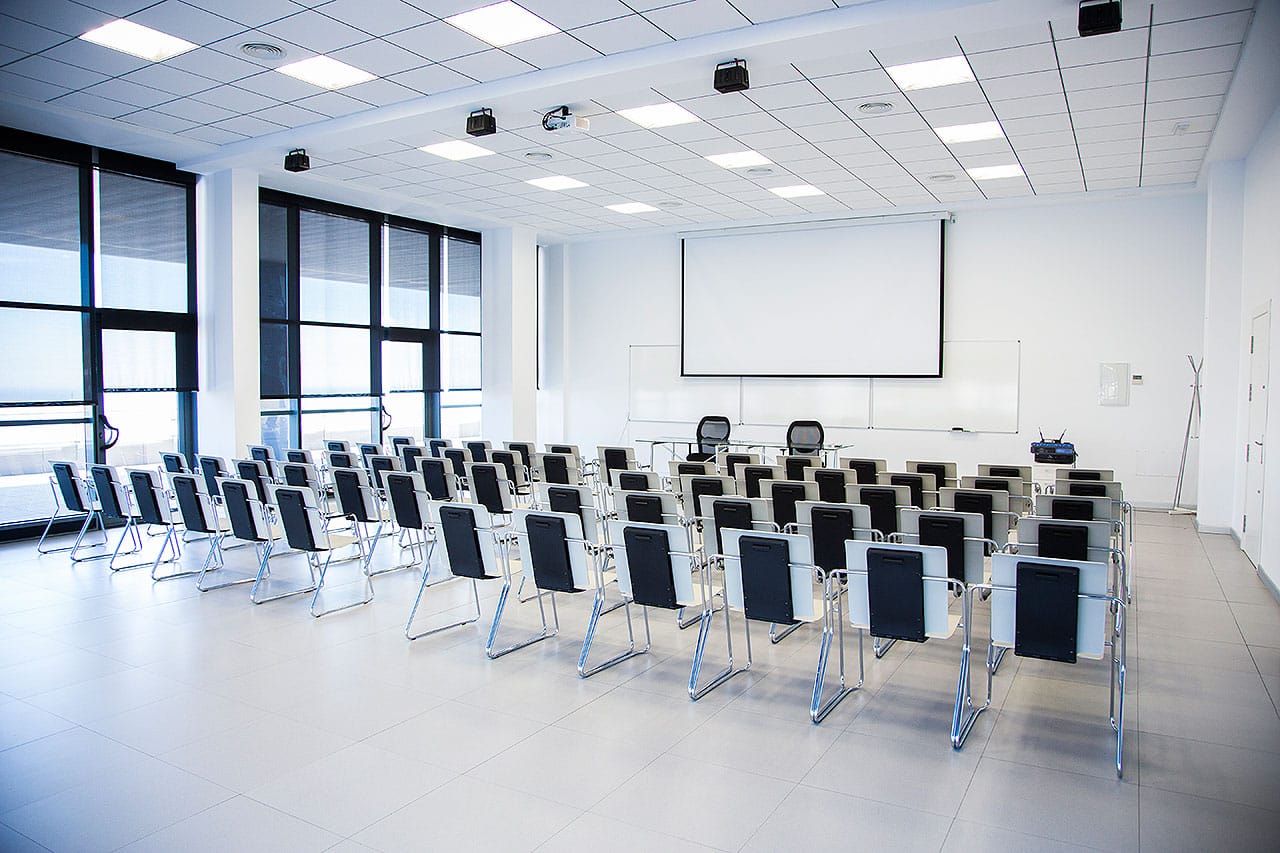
x: 430, y: 79
x: 621, y: 34
x: 379, y: 57
x: 697, y: 17
x: 376, y: 17
x: 438, y: 41
x: 552, y: 50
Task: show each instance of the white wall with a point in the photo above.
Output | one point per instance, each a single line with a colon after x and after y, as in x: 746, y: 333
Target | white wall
x: 1260, y: 284
x: 1079, y: 284
x: 508, y: 282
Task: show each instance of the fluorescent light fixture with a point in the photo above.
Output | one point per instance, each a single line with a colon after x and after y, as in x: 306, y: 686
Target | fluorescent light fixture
x: 633, y: 207
x: 797, y: 191
x: 659, y: 115
x: 557, y: 182
x: 958, y: 133
x: 325, y: 72
x: 456, y: 150
x: 502, y: 24
x: 934, y: 72
x: 137, y: 40
x: 739, y: 159
x: 991, y: 173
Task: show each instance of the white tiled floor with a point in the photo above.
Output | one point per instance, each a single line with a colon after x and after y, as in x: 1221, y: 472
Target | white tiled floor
x: 147, y: 716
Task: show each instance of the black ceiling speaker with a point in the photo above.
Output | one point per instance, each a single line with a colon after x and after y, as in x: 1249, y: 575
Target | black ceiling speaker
x: 732, y: 76
x: 1099, y: 17
x: 482, y: 123
x: 297, y: 161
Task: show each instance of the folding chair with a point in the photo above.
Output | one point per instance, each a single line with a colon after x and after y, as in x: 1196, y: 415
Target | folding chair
x: 770, y: 577
x: 677, y: 468
x: 306, y: 532
x: 635, y: 481
x: 335, y: 459
x: 751, y: 476
x: 829, y: 526
x: 1013, y: 486
x: 367, y: 450
x: 77, y: 498
x: 794, y: 465
x: 559, y: 468
x: 175, y: 463
x: 262, y: 453
x: 479, y: 450
x: 437, y: 445
x: 728, y: 462
x: 732, y: 512
x: 694, y: 487
x: 336, y: 446
x: 491, y: 488
x: 648, y: 507
x: 1022, y: 473
x: 213, y: 469
x: 515, y: 470
x: 437, y: 479
x: 255, y: 472
x: 113, y: 498
x: 398, y: 442
x: 525, y: 450
x: 805, y: 438
x: 557, y: 558
x: 610, y: 459
x: 783, y: 497
x: 359, y: 504
x: 200, y: 515
x: 409, y: 456
x: 1075, y: 540
x: 1049, y: 609
x: 1104, y: 474
x: 379, y: 465
x: 833, y: 483
x: 959, y: 535
x: 944, y: 473
x: 711, y: 435
x: 867, y: 470
x: 251, y: 522
x: 922, y: 489
x: 299, y: 456
x: 458, y: 458
x: 884, y: 503
x: 410, y: 508
x: 154, y: 508
x: 992, y: 506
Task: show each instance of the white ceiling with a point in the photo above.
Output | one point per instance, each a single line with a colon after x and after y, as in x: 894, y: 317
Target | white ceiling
x: 1135, y: 109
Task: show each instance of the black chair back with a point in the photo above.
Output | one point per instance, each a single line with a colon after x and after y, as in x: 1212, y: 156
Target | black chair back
x: 805, y: 437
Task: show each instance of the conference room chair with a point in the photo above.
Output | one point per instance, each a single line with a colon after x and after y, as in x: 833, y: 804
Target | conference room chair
x: 647, y: 506
x: 610, y: 459
x: 1073, y: 540
x: 255, y: 472
x: 438, y: 479
x: 783, y: 496
x: 829, y: 525
x: 517, y: 472
x: 358, y: 502
x: 525, y: 450
x: 1105, y: 474
x: 479, y: 450
x: 678, y: 468
x: 337, y: 446
x: 212, y: 469
x: 579, y: 500
x: 307, y: 534
x: 491, y: 488
x: 805, y: 438
x: 409, y: 501
x: 395, y: 442
x: 304, y: 475
x: 897, y: 592
x: 729, y: 461
x: 299, y: 455
x: 771, y: 577
x: 262, y: 453
x: 692, y: 488
x: 1052, y: 610
x: 458, y: 457
x: 1023, y: 475
x: 561, y: 468
x: 437, y: 446
x: 959, y: 534
x: 153, y: 507
x: 557, y: 558
x: 635, y: 481
x: 74, y: 493
x: 474, y: 550
x: 832, y: 482
x: 367, y: 450
x: 922, y: 488
x: 335, y: 459
x: 991, y: 505
x: 1091, y: 508
x: 944, y: 473
x: 709, y: 438
x: 572, y: 451
x: 200, y: 516
x: 116, y: 508
x: 175, y: 463
x: 379, y: 465
x: 884, y: 503
x: 867, y: 470
x: 794, y: 465
x: 410, y: 454
x: 251, y: 523
x: 1019, y: 502
x: 749, y: 478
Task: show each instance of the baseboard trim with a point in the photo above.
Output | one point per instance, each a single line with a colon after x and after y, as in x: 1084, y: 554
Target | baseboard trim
x: 1270, y: 585
x: 1213, y: 528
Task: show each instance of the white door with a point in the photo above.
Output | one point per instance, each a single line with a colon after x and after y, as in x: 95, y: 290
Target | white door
x: 1259, y: 359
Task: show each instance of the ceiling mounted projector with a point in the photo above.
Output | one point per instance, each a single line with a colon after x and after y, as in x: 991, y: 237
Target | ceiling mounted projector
x: 481, y: 123
x: 560, y: 118
x: 732, y: 76
x: 297, y: 161
x: 1099, y: 17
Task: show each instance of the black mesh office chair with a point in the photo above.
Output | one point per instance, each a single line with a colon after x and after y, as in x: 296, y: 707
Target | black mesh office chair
x: 713, y: 431
x: 804, y: 438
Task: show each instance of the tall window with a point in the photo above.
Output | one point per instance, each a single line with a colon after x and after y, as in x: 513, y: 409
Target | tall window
x: 460, y: 340
x: 351, y: 318
x: 97, y: 315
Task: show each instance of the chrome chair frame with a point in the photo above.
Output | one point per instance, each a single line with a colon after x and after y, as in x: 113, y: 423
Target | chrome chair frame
x: 83, y: 489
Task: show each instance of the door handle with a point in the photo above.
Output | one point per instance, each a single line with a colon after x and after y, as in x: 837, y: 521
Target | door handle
x: 385, y: 417
x: 110, y: 435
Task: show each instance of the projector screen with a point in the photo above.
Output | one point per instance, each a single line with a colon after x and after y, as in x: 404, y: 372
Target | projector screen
x: 861, y: 300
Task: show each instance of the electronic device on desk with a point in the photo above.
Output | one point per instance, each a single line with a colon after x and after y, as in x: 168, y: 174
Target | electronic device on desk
x: 1054, y: 452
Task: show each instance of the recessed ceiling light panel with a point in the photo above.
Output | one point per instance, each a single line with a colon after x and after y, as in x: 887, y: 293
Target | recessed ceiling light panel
x: 557, y: 182
x: 992, y: 173
x: 796, y: 191
x: 958, y: 133
x: 659, y: 115
x: 137, y: 40
x: 739, y: 159
x: 931, y: 73
x: 456, y: 150
x: 632, y: 207
x: 502, y: 24
x: 325, y: 72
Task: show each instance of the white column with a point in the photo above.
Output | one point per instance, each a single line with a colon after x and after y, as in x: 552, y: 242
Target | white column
x: 554, y: 285
x: 227, y: 289
x: 1220, y: 379
x: 508, y: 291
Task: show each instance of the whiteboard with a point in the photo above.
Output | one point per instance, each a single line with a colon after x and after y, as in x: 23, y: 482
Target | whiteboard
x: 831, y: 402
x: 659, y: 393
x: 978, y: 391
